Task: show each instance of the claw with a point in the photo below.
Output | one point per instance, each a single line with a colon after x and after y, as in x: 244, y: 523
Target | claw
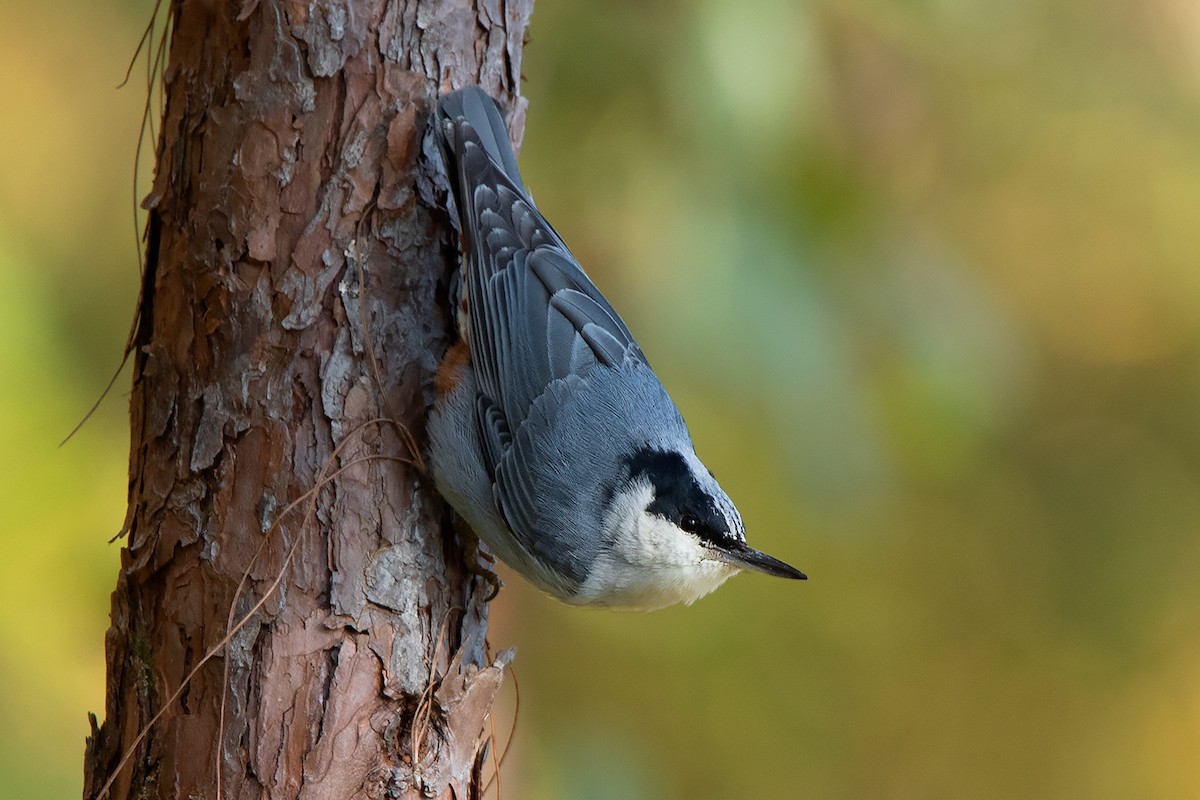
x: 478, y: 560
x: 479, y: 563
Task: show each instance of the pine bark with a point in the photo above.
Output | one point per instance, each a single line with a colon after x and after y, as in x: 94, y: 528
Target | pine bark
x: 293, y: 312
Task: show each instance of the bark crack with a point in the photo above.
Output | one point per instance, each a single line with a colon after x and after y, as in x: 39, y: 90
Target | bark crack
x: 274, y: 391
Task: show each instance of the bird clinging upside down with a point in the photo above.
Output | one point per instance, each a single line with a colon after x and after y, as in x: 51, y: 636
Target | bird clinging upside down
x: 551, y: 435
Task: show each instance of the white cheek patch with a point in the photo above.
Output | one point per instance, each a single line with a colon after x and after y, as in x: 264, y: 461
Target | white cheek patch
x: 640, y: 537
x: 664, y: 544
x: 651, y: 562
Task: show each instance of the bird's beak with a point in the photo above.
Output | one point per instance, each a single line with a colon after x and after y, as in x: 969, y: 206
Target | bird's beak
x: 743, y: 556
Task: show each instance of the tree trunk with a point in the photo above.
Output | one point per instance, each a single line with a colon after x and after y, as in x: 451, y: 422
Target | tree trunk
x: 293, y: 313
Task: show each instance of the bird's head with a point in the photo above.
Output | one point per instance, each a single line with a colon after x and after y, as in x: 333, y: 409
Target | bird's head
x: 673, y: 533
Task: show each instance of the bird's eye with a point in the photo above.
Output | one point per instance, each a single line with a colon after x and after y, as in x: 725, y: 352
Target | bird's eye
x: 689, y: 523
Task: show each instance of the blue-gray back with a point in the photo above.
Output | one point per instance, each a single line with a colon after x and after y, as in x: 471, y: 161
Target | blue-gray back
x: 571, y: 454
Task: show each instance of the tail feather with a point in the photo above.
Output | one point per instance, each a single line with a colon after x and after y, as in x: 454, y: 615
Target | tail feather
x: 481, y: 113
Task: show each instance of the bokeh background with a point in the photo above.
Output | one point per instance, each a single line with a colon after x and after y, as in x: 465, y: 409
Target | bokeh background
x: 923, y: 277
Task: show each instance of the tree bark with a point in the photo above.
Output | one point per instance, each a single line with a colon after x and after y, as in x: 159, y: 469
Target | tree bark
x: 292, y: 316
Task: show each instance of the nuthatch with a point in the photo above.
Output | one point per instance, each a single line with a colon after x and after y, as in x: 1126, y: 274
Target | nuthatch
x: 551, y: 435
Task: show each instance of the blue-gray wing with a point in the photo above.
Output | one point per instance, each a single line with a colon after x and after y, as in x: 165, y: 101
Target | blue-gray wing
x: 541, y: 509
x: 535, y: 316
x: 552, y: 485
x: 537, y: 323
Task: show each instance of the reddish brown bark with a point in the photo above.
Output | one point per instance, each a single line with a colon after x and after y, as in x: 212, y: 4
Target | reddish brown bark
x: 292, y: 300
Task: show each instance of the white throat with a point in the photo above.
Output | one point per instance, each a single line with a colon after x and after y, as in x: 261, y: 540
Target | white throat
x: 650, y: 563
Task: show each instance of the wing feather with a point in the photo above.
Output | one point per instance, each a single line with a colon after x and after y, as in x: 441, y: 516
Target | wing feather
x: 538, y: 325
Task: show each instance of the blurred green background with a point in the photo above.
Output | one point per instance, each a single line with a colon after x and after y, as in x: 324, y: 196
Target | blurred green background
x: 923, y: 277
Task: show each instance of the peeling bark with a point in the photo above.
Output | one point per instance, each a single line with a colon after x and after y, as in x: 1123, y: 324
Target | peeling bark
x: 293, y: 298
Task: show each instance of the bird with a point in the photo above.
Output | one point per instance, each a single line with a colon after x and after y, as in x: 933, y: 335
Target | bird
x: 549, y: 433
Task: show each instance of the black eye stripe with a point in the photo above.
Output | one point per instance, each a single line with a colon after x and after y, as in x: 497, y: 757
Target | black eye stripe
x: 659, y: 464
x: 678, y: 497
